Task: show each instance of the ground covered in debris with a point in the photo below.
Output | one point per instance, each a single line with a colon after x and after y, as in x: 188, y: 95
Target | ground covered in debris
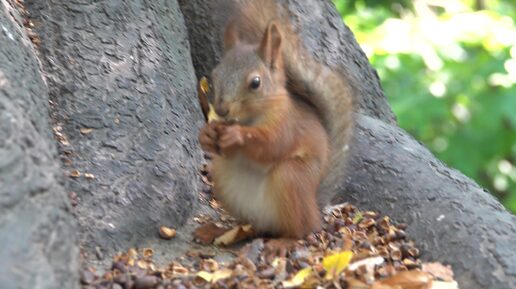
x: 355, y: 249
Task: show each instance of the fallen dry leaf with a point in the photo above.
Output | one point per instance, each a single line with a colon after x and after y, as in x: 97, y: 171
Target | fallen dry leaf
x: 336, y: 263
x: 206, y: 107
x: 207, y: 233
x: 215, y: 276
x: 298, y: 279
x: 358, y: 218
x: 235, y: 235
x: 380, y: 253
x: 204, y: 85
x: 212, y: 115
x: 202, y: 94
x: 221, y: 274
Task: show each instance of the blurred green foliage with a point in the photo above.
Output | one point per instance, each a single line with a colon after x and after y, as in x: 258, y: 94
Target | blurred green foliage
x: 448, y: 68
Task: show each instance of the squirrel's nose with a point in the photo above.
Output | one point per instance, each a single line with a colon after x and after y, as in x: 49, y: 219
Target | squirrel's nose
x: 222, y: 109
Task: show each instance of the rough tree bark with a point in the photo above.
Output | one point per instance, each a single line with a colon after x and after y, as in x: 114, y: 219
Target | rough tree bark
x: 37, y: 232
x: 452, y: 219
x: 124, y: 89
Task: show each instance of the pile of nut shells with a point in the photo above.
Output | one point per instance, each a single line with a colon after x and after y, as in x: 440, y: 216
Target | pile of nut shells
x: 355, y: 250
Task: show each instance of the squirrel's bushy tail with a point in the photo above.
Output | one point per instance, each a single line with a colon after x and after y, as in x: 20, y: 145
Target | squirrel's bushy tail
x: 326, y: 89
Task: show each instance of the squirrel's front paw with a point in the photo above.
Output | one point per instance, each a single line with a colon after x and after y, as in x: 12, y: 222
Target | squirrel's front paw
x: 230, y: 138
x: 208, y: 138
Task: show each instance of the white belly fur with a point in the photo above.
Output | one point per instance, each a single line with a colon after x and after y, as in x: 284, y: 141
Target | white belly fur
x: 243, y: 191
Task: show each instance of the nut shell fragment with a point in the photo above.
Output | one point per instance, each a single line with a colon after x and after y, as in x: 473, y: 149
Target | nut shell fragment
x: 75, y: 174
x: 166, y: 232
x: 85, y: 130
x: 368, y: 254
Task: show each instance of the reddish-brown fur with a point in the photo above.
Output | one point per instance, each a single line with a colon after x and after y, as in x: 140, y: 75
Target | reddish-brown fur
x: 277, y: 135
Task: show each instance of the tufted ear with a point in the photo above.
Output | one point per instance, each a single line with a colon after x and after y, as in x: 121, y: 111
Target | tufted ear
x: 270, y: 47
x: 230, y: 36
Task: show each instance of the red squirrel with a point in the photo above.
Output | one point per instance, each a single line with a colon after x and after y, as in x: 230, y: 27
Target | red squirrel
x: 277, y: 124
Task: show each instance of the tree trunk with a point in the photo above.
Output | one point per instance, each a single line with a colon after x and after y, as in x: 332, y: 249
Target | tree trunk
x: 123, y: 86
x: 454, y: 220
x: 37, y: 231
x: 124, y: 89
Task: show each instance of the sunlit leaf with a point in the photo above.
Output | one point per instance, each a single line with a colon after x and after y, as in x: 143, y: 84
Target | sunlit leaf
x: 234, y: 235
x: 207, y: 276
x: 207, y: 233
x: 298, y: 279
x: 221, y: 274
x: 215, y: 276
x: 358, y: 217
x: 336, y: 263
x: 212, y: 115
x: 275, y: 262
x: 205, y: 87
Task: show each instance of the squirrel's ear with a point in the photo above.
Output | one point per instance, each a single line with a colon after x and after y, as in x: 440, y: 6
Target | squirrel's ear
x: 270, y: 47
x: 230, y: 36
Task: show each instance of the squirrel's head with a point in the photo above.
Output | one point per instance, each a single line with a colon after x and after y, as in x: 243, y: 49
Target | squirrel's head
x: 250, y: 79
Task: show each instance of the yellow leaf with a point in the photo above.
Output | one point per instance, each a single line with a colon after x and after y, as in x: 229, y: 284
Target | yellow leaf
x: 212, y: 115
x: 215, y: 276
x: 207, y: 276
x: 358, y: 217
x: 234, y: 235
x: 298, y: 279
x: 276, y: 262
x: 336, y: 263
x: 221, y: 274
x: 207, y: 108
x: 204, y: 85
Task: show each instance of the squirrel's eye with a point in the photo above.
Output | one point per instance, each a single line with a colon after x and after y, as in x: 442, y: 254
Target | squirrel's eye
x: 255, y: 82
